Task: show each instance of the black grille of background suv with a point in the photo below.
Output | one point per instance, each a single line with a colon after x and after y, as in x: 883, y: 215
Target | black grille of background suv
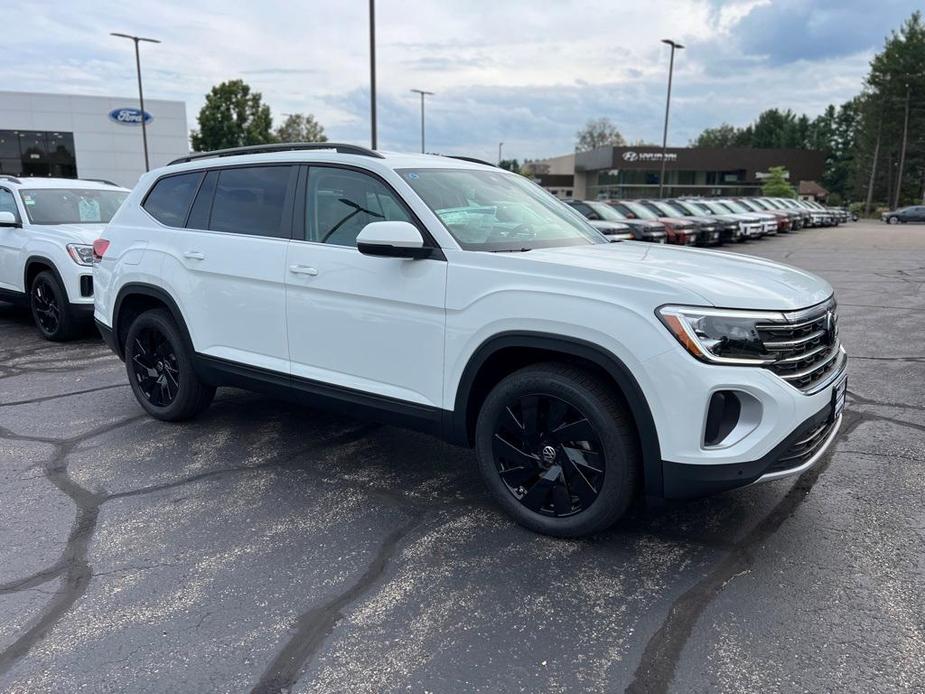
x: 806, y: 347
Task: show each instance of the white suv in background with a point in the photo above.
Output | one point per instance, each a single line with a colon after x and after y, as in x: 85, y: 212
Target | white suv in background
x: 47, y: 228
x: 463, y: 300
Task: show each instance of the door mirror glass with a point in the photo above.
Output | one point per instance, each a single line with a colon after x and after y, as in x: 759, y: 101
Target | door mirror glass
x: 8, y: 219
x: 392, y: 240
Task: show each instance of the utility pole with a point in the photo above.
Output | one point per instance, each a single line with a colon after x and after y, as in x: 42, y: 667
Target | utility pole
x: 372, y: 73
x: 141, y: 95
x: 873, y: 168
x: 423, y: 94
x: 661, y: 179
x: 500, y: 145
x: 902, y: 152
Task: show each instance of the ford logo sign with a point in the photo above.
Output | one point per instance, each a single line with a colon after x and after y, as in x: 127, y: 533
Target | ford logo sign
x: 129, y: 116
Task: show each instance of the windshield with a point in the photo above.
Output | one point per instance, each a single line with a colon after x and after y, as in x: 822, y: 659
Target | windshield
x: 688, y: 208
x: 638, y: 209
x: 664, y: 208
x: 734, y: 206
x: 496, y: 211
x: 713, y: 208
x: 71, y: 205
x: 606, y: 212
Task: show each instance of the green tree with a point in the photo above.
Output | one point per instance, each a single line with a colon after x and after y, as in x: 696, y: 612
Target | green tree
x: 724, y: 135
x: 777, y: 185
x: 510, y: 165
x: 598, y: 132
x: 232, y: 116
x: 299, y: 127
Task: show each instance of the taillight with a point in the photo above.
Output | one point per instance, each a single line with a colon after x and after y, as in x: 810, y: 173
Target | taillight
x: 99, y: 249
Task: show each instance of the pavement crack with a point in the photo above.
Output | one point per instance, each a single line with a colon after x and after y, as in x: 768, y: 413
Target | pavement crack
x: 656, y: 668
x: 45, y: 398
x: 313, y: 627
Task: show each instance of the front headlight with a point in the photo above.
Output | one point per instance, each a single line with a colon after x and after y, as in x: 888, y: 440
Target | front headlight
x: 720, y: 336
x: 80, y: 254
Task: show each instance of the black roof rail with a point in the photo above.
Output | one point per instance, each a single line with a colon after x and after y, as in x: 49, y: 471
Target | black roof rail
x: 470, y: 159
x: 280, y: 147
x: 101, y: 180
x: 8, y: 177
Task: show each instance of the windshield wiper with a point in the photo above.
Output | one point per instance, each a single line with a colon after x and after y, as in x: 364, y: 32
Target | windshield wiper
x: 511, y: 250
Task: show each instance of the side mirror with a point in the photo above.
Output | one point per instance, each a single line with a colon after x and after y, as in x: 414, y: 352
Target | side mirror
x: 392, y: 240
x: 8, y: 219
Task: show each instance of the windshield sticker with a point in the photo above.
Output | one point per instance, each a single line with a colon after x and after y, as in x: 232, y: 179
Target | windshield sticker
x: 413, y: 176
x: 89, y: 210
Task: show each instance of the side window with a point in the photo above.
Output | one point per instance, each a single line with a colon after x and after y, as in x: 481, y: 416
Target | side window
x: 8, y: 202
x: 202, y: 207
x: 251, y: 200
x: 170, y: 198
x: 341, y: 202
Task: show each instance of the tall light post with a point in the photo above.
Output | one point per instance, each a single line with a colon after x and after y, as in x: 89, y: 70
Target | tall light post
x: 141, y: 95
x: 661, y: 179
x: 423, y: 94
x: 500, y: 145
x: 372, y: 73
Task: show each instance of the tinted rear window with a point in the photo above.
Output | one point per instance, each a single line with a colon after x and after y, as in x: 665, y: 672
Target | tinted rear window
x: 250, y: 200
x: 169, y: 200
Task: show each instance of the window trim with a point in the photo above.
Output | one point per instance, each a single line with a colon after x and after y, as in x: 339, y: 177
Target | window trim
x: 299, y: 227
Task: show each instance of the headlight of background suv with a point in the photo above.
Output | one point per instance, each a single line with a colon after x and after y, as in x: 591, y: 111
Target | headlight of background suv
x: 80, y: 254
x: 720, y: 336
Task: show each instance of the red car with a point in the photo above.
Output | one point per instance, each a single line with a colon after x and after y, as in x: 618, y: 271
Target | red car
x: 682, y: 232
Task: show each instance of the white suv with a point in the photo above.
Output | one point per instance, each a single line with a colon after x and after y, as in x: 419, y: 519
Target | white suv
x: 47, y: 226
x: 462, y: 300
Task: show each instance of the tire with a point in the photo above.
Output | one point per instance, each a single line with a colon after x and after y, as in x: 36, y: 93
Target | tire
x: 160, y: 369
x: 50, y: 309
x: 544, y: 477
x: 892, y: 219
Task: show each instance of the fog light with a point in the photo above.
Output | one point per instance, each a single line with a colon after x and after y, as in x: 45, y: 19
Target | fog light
x: 722, y: 416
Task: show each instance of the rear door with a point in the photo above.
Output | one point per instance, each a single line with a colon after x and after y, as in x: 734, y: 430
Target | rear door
x: 364, y: 323
x: 227, y: 265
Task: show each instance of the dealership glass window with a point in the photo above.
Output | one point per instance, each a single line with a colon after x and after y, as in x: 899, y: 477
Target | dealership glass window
x: 37, y: 153
x: 10, y: 158
x: 169, y: 200
x: 251, y: 200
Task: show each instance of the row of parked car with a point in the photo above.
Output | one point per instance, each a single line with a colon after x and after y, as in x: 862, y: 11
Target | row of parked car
x: 704, y: 221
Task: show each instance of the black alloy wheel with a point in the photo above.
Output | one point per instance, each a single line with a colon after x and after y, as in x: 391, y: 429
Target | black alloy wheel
x: 155, y: 366
x: 45, y: 306
x: 548, y: 455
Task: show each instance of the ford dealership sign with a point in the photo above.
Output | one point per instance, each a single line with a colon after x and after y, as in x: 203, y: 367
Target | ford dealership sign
x: 129, y: 116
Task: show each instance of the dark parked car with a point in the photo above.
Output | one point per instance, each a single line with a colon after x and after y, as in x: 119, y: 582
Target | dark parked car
x: 603, y: 217
x: 914, y: 213
x: 712, y: 232
x: 681, y: 231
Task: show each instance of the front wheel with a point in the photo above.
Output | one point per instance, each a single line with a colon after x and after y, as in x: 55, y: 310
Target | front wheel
x: 160, y: 369
x: 50, y: 308
x: 557, y: 450
x: 892, y: 219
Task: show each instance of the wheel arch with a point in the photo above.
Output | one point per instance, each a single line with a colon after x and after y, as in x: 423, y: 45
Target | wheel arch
x: 505, y: 352
x: 135, y: 298
x: 34, y: 265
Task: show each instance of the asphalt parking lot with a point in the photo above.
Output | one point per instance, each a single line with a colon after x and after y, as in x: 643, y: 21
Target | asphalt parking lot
x: 270, y: 548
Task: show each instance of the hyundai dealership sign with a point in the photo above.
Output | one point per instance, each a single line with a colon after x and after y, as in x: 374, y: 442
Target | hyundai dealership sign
x: 129, y: 116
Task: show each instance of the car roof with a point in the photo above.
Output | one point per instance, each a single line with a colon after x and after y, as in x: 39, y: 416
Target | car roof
x: 45, y: 182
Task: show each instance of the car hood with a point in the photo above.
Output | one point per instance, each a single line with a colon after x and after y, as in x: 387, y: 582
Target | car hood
x: 79, y: 233
x: 728, y: 280
x: 684, y: 222
x: 604, y: 225
x: 649, y: 225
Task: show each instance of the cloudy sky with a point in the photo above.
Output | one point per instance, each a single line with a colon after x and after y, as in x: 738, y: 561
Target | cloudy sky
x: 525, y: 72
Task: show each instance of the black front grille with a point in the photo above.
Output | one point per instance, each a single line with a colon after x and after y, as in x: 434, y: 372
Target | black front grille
x: 806, y: 347
x: 804, y: 449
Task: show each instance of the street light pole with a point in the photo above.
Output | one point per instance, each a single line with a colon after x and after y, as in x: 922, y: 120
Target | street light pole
x: 500, y: 145
x: 902, y: 152
x: 372, y: 72
x: 661, y: 179
x: 423, y: 94
x: 141, y: 95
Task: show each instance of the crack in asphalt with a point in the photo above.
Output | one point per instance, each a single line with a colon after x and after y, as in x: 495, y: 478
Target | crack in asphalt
x: 656, y: 668
x: 862, y: 400
x: 45, y: 398
x: 312, y: 628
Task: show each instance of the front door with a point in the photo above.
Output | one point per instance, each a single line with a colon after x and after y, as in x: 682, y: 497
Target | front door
x: 12, y: 240
x: 365, y: 323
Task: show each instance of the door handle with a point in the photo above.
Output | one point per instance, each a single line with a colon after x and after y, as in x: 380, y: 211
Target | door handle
x: 303, y: 270
x: 194, y: 255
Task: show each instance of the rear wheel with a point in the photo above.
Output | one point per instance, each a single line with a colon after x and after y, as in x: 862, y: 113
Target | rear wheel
x: 557, y: 450
x: 50, y: 308
x: 160, y: 369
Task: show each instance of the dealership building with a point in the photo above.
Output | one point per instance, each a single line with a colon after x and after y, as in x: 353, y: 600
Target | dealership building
x: 634, y: 172
x: 80, y: 136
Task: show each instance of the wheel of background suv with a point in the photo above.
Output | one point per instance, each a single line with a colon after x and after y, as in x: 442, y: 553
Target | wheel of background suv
x: 557, y: 450
x: 50, y: 309
x: 892, y: 219
x: 160, y: 369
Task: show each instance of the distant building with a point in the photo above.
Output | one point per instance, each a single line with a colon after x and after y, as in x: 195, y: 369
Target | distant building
x: 810, y: 190
x: 633, y: 172
x: 87, y: 136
